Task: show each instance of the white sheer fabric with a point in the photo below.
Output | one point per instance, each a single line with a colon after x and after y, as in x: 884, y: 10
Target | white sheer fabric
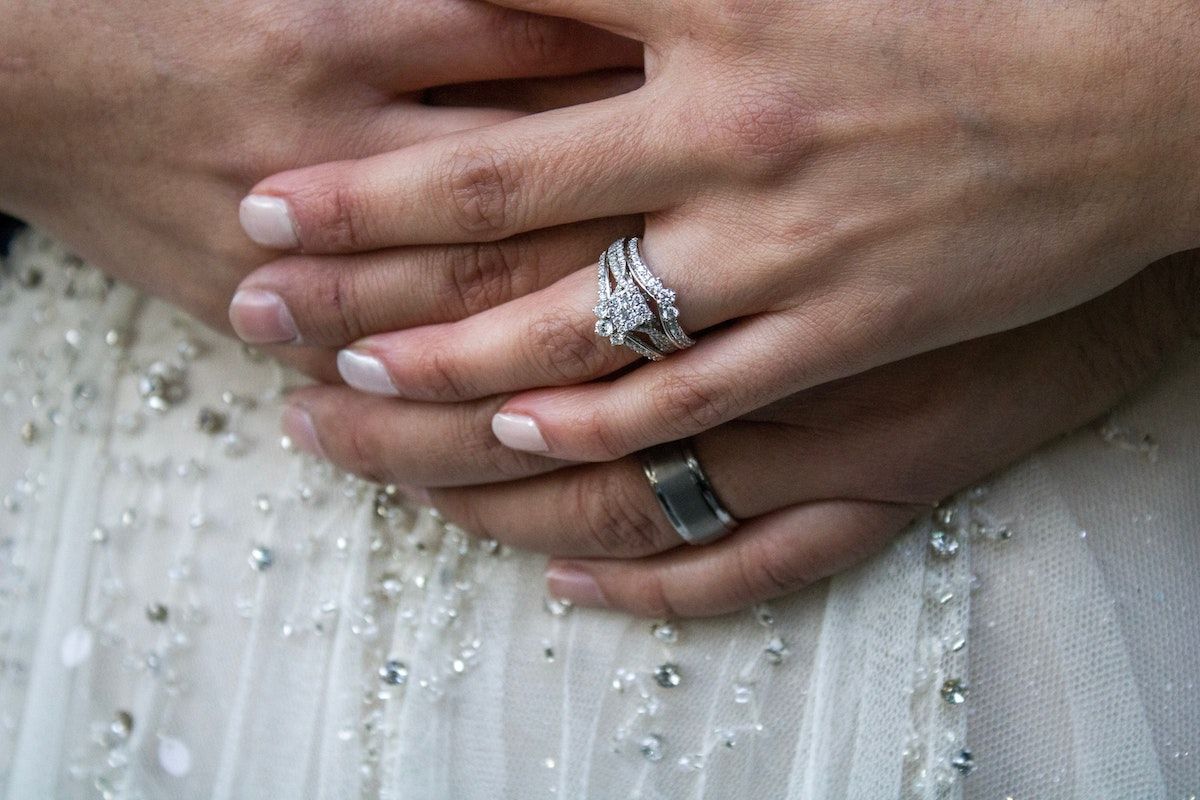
x: 188, y: 610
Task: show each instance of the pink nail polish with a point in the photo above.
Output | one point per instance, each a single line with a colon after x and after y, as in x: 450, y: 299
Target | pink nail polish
x: 261, y: 317
x: 365, y: 373
x: 298, y: 424
x: 520, y: 432
x: 574, y: 584
x: 268, y: 221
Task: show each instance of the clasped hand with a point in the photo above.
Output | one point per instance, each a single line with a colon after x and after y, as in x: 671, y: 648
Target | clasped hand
x: 829, y: 188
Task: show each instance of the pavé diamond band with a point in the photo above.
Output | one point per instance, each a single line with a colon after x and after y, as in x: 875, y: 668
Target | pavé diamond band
x: 634, y: 308
x: 684, y: 493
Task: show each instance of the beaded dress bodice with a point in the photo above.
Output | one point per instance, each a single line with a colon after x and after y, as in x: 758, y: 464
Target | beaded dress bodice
x: 191, y: 609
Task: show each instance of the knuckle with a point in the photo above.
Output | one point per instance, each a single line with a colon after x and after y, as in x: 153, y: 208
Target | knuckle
x: 684, y: 406
x: 766, y: 131
x: 481, y: 276
x: 336, y: 211
x: 361, y: 447
x: 648, y: 597
x: 342, y: 302
x: 482, y: 185
x: 598, y: 440
x: 564, y: 350
x: 477, y: 444
x: 764, y: 571
x: 617, y: 519
x: 436, y: 370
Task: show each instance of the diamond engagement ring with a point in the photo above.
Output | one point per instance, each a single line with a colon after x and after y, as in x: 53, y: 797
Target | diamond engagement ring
x: 684, y: 493
x: 634, y: 308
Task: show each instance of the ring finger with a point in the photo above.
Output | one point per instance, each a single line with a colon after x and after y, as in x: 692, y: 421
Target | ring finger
x: 542, y: 339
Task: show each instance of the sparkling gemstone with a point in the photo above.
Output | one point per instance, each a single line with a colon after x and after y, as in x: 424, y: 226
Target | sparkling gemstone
x: 99, y: 534
x: 651, y: 747
x: 668, y: 675
x: 665, y: 632
x: 121, y: 726
x: 163, y: 385
x: 556, y: 607
x: 394, y: 672
x: 156, y: 612
x: 670, y: 313
x: 743, y: 692
x: 954, y: 692
x: 964, y: 762
x: 604, y: 328
x: 263, y: 503
x: 943, y: 545
x: 764, y: 615
x: 261, y: 558
x: 776, y: 650
x: 211, y: 421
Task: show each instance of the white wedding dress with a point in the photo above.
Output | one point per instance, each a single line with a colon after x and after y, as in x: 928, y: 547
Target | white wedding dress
x: 189, y: 609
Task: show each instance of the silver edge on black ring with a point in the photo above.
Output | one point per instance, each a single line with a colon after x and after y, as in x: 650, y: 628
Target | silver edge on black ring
x: 685, y: 494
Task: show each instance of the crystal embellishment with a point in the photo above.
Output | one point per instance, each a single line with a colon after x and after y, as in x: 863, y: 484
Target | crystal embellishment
x: 261, y: 558
x: 964, y: 762
x: 954, y: 692
x: 651, y: 747
x: 942, y: 544
x: 668, y: 675
x: 394, y: 672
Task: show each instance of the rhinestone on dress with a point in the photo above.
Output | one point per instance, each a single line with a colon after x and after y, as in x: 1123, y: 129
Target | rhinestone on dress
x: 211, y: 421
x: 964, y: 762
x: 668, y: 675
x: 261, y: 558
x: 156, y: 612
x: 665, y: 632
x: 651, y: 747
x: 954, y: 692
x: 394, y: 672
x: 943, y: 544
x: 163, y: 385
x: 776, y: 650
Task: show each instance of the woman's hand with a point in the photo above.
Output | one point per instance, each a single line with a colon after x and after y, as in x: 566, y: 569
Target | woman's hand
x: 820, y: 479
x: 131, y: 129
x: 828, y: 187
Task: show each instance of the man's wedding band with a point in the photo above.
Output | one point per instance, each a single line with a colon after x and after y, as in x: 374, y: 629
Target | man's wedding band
x: 685, y: 494
x: 634, y: 308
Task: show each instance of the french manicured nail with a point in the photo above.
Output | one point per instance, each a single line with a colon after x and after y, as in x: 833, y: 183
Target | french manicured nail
x: 268, y: 221
x: 519, y: 432
x: 298, y: 425
x: 572, y: 583
x: 261, y: 317
x: 365, y: 373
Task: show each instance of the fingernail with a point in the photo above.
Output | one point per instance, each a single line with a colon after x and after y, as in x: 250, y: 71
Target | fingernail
x: 268, y: 221
x: 519, y: 432
x: 365, y: 373
x: 298, y: 425
x: 261, y: 317
x: 572, y: 583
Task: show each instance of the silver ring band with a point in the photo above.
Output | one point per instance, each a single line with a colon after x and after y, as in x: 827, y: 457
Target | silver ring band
x: 633, y: 307
x: 685, y: 494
